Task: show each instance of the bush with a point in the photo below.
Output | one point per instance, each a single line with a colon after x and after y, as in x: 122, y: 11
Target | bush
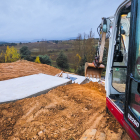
x: 30, y: 58
x: 62, y: 61
x: 37, y: 60
x: 24, y: 52
x: 83, y: 61
x: 81, y: 70
x: 45, y: 59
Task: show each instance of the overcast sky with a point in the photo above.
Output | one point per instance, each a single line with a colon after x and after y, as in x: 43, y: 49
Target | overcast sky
x: 52, y: 19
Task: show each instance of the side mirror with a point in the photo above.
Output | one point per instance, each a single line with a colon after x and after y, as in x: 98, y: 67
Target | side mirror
x: 118, y: 56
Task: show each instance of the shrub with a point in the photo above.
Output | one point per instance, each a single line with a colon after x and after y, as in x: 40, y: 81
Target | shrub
x: 62, y: 61
x: 30, y: 58
x: 24, y: 52
x: 45, y: 59
x: 81, y: 70
x: 37, y: 60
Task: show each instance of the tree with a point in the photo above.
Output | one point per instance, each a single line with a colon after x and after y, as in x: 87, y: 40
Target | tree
x: 24, y: 52
x: 56, y: 41
x: 83, y: 61
x: 90, y: 47
x: 62, y: 61
x: 37, y: 60
x: 81, y: 70
x: 76, y: 62
x: 85, y: 48
x: 45, y: 59
x: 11, y: 54
x: 2, y: 57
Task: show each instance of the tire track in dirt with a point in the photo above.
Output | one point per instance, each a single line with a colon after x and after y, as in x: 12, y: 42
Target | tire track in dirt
x: 100, y: 129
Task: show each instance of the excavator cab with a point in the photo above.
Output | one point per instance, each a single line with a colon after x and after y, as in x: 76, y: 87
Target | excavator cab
x: 122, y: 81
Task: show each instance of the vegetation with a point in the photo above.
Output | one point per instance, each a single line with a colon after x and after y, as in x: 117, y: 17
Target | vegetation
x: 37, y: 60
x: 11, y: 54
x: 84, y: 50
x: 24, y: 52
x: 77, y: 52
x: 2, y: 57
x: 81, y: 68
x: 45, y: 59
x: 7, y: 44
x: 62, y: 61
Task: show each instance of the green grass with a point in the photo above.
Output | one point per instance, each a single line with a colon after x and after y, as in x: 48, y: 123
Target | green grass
x: 71, y: 70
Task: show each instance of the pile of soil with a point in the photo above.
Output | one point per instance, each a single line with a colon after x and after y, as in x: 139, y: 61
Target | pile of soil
x: 24, y: 68
x: 64, y: 113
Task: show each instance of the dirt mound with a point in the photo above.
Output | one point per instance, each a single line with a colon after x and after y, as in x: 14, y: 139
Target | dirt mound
x: 24, y: 68
x: 96, y: 86
x: 63, y: 113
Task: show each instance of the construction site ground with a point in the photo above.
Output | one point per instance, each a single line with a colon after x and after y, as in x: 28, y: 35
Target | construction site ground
x: 70, y: 112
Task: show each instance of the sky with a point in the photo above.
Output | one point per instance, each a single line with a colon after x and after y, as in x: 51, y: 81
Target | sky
x: 22, y: 20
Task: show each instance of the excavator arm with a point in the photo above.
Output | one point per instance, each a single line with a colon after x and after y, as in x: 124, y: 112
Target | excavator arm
x: 94, y: 70
x: 104, y: 33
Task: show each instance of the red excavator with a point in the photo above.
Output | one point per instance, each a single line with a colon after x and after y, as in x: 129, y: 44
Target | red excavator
x: 122, y: 81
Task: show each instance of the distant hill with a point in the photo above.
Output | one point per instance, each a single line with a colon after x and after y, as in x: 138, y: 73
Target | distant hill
x: 4, y: 42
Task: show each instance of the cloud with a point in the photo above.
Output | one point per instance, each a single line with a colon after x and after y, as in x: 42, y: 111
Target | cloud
x: 52, y: 19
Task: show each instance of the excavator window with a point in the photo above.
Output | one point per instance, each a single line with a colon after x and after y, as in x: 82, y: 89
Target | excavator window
x: 121, y: 53
x: 120, y: 59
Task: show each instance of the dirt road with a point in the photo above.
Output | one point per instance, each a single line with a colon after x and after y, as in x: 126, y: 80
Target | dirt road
x: 65, y: 113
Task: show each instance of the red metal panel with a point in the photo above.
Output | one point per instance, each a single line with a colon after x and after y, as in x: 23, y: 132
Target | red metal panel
x: 120, y: 118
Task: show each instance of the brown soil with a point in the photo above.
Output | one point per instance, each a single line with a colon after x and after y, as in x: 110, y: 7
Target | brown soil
x: 24, y: 68
x: 64, y: 113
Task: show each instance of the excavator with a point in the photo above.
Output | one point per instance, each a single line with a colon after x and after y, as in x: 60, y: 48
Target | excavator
x: 122, y: 80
